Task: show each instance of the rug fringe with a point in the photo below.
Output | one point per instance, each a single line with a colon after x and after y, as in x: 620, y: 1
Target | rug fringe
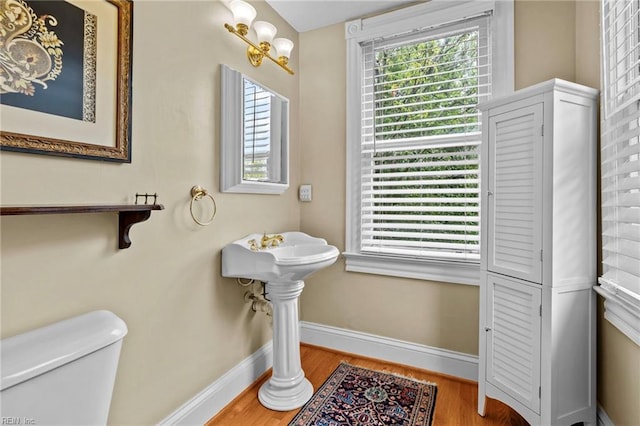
x: 424, y: 382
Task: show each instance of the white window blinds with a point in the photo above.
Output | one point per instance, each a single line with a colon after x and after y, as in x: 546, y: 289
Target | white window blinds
x: 419, y: 177
x: 620, y: 154
x: 257, y: 132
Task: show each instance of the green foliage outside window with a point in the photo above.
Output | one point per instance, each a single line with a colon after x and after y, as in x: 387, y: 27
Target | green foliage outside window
x: 427, y: 91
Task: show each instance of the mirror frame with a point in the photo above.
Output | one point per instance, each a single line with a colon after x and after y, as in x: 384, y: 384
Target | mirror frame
x: 231, y: 139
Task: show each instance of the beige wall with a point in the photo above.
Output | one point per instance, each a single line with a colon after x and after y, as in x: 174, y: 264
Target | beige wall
x: 552, y: 39
x: 544, y: 41
x: 187, y: 325
x: 618, y: 373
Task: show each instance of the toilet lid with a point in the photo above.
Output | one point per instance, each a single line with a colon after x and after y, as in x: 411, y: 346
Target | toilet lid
x: 37, y: 351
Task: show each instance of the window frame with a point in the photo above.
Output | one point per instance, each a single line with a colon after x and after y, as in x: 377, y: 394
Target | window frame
x: 433, y: 13
x: 621, y: 305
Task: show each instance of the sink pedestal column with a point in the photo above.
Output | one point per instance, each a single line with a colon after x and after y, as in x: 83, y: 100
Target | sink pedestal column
x: 287, y: 389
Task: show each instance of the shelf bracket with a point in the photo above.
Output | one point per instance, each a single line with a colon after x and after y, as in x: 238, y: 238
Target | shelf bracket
x: 126, y: 219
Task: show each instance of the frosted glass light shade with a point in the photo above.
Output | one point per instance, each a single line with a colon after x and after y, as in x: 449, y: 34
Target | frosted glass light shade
x: 243, y: 13
x: 265, y: 31
x: 283, y: 47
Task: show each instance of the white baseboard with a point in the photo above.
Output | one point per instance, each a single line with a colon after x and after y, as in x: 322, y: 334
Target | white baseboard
x: 434, y: 359
x: 603, y: 418
x: 199, y: 409
x: 216, y: 396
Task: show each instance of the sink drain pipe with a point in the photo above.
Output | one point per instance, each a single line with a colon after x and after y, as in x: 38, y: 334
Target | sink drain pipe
x: 258, y: 299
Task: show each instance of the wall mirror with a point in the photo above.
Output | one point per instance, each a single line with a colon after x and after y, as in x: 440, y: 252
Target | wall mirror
x: 254, y: 146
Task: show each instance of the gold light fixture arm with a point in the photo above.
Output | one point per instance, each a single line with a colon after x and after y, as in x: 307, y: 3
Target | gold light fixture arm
x: 255, y: 53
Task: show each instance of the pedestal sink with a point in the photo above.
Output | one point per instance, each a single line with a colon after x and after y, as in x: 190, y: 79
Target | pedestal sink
x: 283, y: 267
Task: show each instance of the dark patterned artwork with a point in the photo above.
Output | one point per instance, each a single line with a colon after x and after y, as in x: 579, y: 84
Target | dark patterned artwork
x: 48, y: 58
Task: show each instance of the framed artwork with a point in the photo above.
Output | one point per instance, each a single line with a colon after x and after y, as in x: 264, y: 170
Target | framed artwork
x: 65, y: 78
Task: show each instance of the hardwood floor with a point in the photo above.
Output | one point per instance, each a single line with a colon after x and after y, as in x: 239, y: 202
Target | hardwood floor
x: 455, y: 403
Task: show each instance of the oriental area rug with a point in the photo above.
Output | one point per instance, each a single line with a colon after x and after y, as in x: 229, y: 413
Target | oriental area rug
x: 358, y: 396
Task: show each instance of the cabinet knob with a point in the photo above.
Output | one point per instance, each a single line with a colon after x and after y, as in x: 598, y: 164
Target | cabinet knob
x: 487, y: 329
x: 489, y: 193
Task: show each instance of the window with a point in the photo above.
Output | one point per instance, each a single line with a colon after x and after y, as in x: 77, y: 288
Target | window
x: 257, y: 133
x: 620, y: 165
x: 415, y: 79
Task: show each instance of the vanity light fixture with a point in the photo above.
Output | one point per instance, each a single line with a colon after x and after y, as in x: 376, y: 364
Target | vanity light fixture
x: 243, y: 16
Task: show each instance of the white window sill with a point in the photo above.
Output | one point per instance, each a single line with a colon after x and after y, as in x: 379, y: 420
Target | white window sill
x: 621, y: 308
x: 431, y: 270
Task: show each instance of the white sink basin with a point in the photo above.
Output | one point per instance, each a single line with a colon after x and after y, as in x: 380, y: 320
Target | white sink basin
x: 295, y: 258
x: 283, y: 262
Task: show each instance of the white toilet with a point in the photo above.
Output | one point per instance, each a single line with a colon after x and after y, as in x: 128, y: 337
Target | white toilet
x: 61, y: 374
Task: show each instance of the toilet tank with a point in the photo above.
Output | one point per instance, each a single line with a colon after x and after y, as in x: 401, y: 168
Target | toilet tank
x: 63, y: 373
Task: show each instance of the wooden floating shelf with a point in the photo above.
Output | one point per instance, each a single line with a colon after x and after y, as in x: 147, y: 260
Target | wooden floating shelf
x: 128, y: 214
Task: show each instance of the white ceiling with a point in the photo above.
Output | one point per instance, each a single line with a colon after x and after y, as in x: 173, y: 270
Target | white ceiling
x: 305, y: 15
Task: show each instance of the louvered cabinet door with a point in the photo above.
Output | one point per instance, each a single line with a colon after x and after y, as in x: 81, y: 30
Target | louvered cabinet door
x: 513, y: 339
x: 514, y: 197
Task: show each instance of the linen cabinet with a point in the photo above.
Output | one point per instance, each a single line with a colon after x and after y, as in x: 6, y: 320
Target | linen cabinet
x: 538, y: 253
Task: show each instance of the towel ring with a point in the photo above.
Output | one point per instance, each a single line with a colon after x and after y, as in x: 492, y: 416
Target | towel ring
x: 197, y: 193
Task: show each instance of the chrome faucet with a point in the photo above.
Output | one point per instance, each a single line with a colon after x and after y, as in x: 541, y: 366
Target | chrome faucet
x: 271, y: 241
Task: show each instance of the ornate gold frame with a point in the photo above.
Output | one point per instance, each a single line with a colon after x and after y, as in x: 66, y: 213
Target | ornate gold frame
x: 121, y: 150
